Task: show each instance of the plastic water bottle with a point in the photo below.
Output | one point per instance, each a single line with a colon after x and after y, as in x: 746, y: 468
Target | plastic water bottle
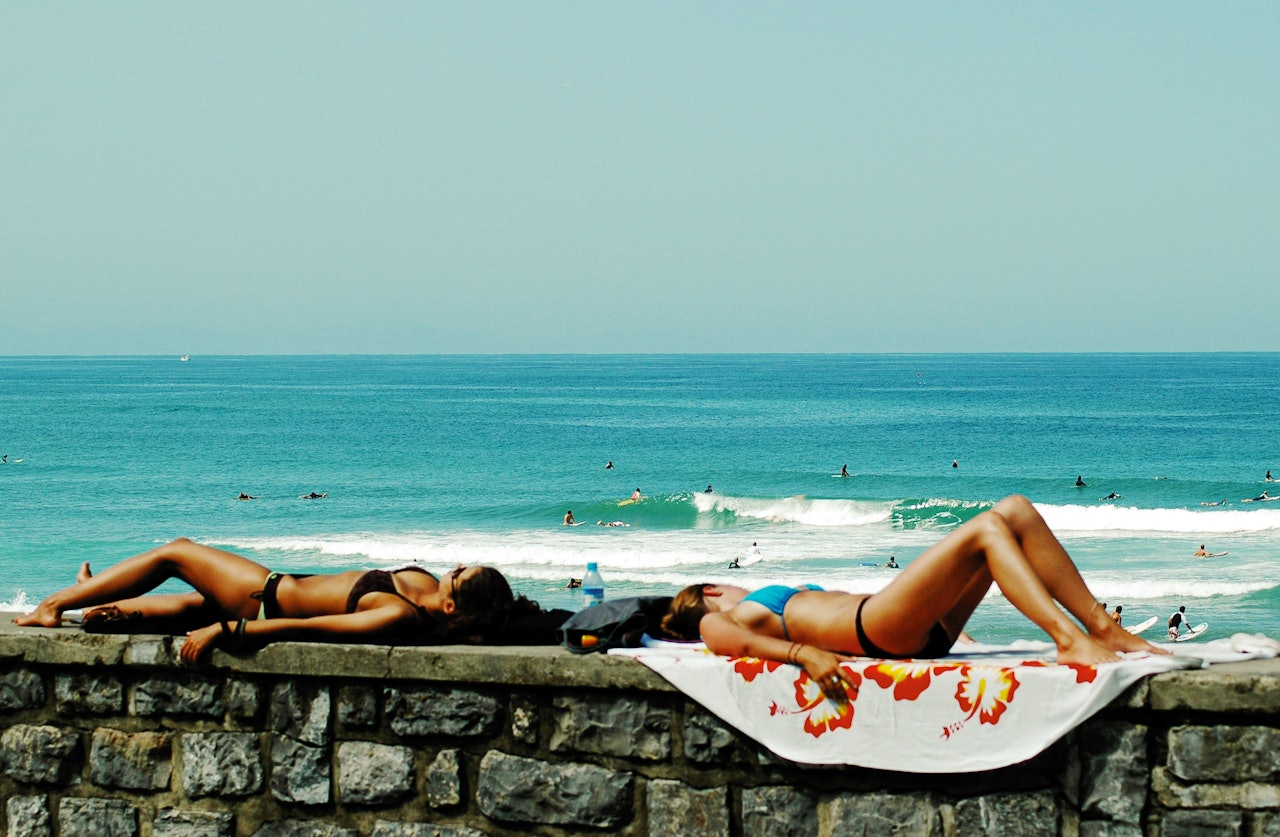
x: 592, y: 586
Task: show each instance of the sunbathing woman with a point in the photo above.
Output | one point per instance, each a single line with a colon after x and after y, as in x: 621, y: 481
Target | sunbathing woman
x: 921, y: 612
x: 236, y: 598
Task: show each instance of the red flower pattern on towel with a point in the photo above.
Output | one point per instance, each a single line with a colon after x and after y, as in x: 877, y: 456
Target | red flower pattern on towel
x: 983, y: 691
x: 823, y: 715
x: 1084, y: 673
x: 749, y: 667
x: 908, y: 680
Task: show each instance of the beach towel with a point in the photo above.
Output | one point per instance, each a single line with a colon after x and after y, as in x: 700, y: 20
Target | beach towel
x: 984, y: 708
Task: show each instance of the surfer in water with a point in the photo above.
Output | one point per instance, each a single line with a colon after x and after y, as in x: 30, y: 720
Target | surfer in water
x: 244, y: 496
x: 844, y: 470
x: 636, y: 496
x: 1221, y: 502
x: 1177, y: 620
x: 1264, y: 497
x: 1080, y: 483
x: 1116, y: 617
x: 1200, y: 553
x: 1111, y: 496
x: 568, y: 518
x: 313, y: 496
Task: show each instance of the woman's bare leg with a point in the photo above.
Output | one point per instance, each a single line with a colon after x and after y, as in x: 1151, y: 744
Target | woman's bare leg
x: 1024, y: 559
x: 224, y: 579
x: 159, y: 606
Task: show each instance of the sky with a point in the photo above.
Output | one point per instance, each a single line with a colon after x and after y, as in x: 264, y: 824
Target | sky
x: 449, y: 177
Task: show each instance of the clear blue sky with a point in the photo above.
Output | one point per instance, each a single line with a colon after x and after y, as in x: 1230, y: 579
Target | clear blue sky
x: 227, y: 178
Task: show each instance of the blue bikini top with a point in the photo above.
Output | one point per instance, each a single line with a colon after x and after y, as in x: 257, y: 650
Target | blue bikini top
x: 775, y: 598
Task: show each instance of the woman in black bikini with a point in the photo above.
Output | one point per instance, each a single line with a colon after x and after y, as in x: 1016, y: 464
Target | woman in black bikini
x: 921, y: 612
x: 236, y: 598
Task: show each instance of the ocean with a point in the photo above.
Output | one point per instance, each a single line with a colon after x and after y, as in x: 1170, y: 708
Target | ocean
x: 445, y: 460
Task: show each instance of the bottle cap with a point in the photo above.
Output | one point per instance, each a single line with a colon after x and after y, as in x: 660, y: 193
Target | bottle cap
x: 591, y: 566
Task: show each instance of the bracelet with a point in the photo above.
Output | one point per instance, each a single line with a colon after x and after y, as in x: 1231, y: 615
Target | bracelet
x: 791, y: 652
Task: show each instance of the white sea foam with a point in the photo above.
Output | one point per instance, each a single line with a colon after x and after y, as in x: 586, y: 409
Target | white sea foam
x: 797, y: 509
x: 1106, y: 519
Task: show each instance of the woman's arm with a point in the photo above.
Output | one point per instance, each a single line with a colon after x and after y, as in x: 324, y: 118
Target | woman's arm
x: 362, y: 624
x: 724, y: 635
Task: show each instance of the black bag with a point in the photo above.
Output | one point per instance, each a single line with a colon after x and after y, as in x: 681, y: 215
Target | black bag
x: 616, y: 623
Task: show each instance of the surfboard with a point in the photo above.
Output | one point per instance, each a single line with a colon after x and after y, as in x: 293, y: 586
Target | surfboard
x: 1193, y: 633
x: 1142, y: 626
x: 627, y: 502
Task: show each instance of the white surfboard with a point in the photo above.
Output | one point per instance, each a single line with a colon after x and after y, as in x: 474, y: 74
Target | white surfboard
x: 1193, y: 633
x: 1142, y: 626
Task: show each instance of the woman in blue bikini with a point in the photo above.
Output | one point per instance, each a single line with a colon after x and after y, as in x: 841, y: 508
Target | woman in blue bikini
x: 921, y: 612
x: 237, y: 599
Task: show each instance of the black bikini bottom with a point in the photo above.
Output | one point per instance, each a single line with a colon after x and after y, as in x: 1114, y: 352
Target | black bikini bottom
x: 938, y: 644
x: 268, y: 607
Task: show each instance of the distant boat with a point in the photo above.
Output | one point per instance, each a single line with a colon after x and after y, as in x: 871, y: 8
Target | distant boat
x: 185, y: 358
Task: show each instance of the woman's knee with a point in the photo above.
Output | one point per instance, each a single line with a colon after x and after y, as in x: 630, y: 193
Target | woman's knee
x: 992, y: 527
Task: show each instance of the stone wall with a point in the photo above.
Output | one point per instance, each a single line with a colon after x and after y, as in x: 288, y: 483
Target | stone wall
x: 110, y: 736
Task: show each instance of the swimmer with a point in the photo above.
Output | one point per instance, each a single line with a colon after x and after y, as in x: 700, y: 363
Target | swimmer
x: 1200, y: 553
x: 613, y: 523
x: 892, y: 565
x: 573, y: 583
x: 707, y: 490
x: 1116, y: 617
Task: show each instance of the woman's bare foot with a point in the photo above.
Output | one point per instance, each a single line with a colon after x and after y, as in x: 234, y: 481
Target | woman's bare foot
x: 1104, y: 629
x: 85, y: 573
x: 42, y: 617
x: 1085, y: 650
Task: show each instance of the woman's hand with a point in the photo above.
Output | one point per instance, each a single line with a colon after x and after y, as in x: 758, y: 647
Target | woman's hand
x: 199, y: 643
x: 823, y: 668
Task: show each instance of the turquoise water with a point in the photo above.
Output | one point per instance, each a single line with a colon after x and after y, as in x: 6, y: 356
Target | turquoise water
x: 471, y: 459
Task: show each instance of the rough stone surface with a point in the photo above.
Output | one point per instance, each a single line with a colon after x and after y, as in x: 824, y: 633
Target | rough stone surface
x: 374, y: 774
x: 78, y: 817
x: 87, y: 694
x: 707, y: 740
x: 1115, y: 771
x: 34, y: 754
x: 444, y: 711
x: 299, y: 772
x: 171, y: 822
x: 1224, y: 754
x: 1248, y: 795
x: 524, y: 790
x: 675, y: 809
x: 301, y: 712
x: 385, y: 828
x: 779, y: 812
x: 147, y: 650
x: 243, y: 698
x: 1106, y: 828
x: 28, y: 816
x: 167, y: 695
x: 886, y: 815
x: 444, y: 779
x: 524, y: 719
x: 1008, y: 815
x: 21, y: 689
x: 1201, y: 824
x: 304, y: 828
x: 615, y: 726
x: 136, y: 761
x: 1265, y: 825
x: 357, y: 707
x: 220, y: 764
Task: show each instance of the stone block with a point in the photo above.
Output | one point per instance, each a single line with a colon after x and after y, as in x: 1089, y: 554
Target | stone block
x: 1224, y: 754
x: 444, y: 779
x: 1265, y: 825
x: 674, y: 809
x: 301, y: 712
x: 299, y: 772
x: 28, y: 816
x: 135, y: 761
x: 373, y: 774
x: 885, y: 815
x: 21, y: 689
x: 1033, y: 814
x: 242, y: 698
x: 87, y: 694
x: 524, y: 719
x: 385, y: 828
x: 515, y: 789
x: 177, y: 695
x: 89, y: 817
x: 357, y: 707
x: 442, y: 711
x: 1243, y: 795
x: 608, y: 725
x: 1201, y: 823
x: 779, y: 811
x: 304, y: 828
x: 150, y: 650
x: 172, y: 822
x: 35, y: 754
x: 1115, y: 771
x: 1107, y: 828
x: 707, y: 740
x: 220, y: 763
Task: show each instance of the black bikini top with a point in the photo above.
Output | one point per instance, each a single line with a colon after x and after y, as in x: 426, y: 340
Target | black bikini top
x: 381, y: 581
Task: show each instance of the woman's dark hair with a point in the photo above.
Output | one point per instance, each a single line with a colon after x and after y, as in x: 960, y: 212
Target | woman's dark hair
x: 685, y: 613
x: 482, y: 606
